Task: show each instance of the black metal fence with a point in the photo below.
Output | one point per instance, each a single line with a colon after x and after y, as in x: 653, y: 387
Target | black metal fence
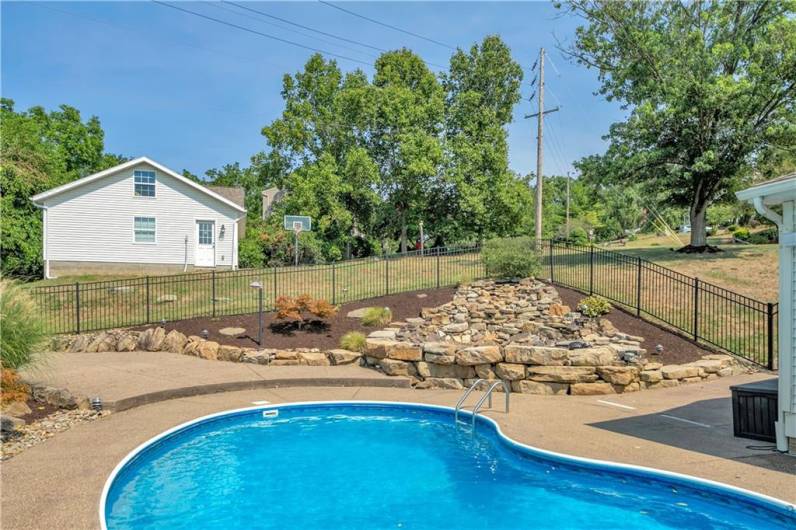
x: 705, y: 312
x: 79, y: 307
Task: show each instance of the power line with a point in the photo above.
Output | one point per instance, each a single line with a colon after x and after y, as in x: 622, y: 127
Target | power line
x: 438, y: 43
x: 237, y: 13
x: 255, y: 32
x: 138, y: 31
x: 304, y: 27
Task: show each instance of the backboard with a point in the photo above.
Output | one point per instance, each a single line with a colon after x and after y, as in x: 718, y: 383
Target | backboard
x: 300, y: 223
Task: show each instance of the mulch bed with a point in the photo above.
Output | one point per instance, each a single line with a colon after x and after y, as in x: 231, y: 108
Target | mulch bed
x: 676, y: 349
x: 38, y: 410
x: 281, y: 335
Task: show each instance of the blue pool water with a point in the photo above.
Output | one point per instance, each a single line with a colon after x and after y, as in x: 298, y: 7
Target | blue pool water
x: 397, y: 466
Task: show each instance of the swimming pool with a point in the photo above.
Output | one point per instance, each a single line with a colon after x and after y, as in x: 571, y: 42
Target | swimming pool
x: 395, y: 465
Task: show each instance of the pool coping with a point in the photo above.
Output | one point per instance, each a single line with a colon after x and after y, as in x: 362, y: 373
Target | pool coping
x: 778, y: 505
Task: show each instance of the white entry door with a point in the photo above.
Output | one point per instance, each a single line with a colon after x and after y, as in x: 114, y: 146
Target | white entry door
x: 205, y: 244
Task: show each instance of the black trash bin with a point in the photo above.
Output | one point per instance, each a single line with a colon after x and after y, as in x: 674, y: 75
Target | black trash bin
x: 754, y: 410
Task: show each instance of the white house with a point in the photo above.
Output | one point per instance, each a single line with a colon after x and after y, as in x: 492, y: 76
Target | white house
x: 782, y: 192
x: 138, y: 217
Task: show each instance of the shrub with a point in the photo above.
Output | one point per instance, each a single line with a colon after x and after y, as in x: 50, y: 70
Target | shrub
x: 578, y: 236
x: 513, y: 257
x: 732, y: 228
x: 353, y: 341
x: 13, y: 389
x: 594, y: 306
x: 769, y: 235
x: 290, y: 308
x: 22, y: 329
x: 377, y: 316
x: 741, y: 233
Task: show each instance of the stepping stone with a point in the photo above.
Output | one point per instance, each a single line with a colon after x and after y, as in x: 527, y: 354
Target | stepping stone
x: 232, y: 332
x: 166, y: 298
x: 357, y: 313
x: 422, y: 295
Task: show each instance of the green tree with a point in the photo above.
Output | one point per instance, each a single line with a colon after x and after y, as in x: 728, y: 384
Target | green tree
x: 711, y: 88
x: 405, y: 138
x: 480, y: 197
x: 40, y: 150
x: 318, y: 155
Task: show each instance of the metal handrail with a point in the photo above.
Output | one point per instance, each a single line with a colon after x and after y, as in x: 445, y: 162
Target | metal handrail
x: 488, y: 395
x: 461, y: 400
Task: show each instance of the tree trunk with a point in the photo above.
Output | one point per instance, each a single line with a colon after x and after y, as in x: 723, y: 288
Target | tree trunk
x: 699, y: 233
x: 403, y: 238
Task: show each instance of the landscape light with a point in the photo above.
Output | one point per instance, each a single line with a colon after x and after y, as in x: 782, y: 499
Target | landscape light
x: 205, y: 334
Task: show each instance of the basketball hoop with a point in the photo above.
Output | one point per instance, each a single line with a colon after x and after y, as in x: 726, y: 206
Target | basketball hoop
x: 298, y: 226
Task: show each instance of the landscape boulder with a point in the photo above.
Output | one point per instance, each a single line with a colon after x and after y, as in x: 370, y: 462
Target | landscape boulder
x: 340, y: 356
x: 478, y: 355
x: 562, y: 374
x: 151, y: 339
x: 540, y: 355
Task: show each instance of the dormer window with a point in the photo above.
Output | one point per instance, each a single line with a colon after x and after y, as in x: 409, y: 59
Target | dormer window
x: 144, y: 183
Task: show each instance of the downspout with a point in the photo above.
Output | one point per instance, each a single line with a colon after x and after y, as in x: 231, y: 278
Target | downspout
x: 44, y: 240
x: 185, y: 266
x: 771, y: 215
x: 767, y: 212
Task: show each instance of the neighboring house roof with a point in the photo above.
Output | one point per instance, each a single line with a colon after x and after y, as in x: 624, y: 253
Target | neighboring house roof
x: 126, y: 165
x: 233, y: 193
x: 774, y: 191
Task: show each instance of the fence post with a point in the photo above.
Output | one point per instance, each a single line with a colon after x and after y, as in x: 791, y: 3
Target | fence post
x: 275, y: 287
x: 437, y: 269
x: 696, y: 308
x: 147, y: 301
x: 213, y: 289
x: 386, y: 274
x: 770, y: 345
x: 77, y: 307
x: 334, y: 293
x: 638, y: 289
x: 552, y: 269
x: 591, y: 270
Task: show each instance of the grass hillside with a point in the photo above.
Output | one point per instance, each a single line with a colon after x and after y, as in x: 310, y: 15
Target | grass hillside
x: 751, y: 270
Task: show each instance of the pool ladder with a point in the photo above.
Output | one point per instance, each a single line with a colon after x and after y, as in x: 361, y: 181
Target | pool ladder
x: 486, y: 397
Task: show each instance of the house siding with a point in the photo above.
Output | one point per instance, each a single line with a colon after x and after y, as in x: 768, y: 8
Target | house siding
x: 94, y: 222
x: 789, y: 224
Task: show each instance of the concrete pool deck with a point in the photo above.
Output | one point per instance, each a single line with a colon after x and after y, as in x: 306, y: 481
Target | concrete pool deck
x: 687, y: 429
x: 131, y: 379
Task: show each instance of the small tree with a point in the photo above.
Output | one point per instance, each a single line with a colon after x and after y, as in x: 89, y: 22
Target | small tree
x: 296, y: 309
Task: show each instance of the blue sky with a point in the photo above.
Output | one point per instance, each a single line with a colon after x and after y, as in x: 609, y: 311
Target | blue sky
x: 194, y: 94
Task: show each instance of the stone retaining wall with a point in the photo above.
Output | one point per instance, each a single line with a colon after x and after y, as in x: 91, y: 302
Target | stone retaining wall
x: 519, y: 332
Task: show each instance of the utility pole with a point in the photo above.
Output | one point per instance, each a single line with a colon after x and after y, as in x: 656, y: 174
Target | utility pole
x: 540, y: 149
x: 567, y: 205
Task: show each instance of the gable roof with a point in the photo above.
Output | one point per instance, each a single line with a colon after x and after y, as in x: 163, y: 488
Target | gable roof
x: 234, y: 193
x: 126, y: 165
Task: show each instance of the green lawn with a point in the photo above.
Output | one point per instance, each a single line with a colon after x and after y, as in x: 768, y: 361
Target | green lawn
x: 132, y: 301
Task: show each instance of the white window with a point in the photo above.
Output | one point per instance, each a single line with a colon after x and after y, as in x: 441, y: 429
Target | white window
x: 144, y: 183
x: 144, y: 229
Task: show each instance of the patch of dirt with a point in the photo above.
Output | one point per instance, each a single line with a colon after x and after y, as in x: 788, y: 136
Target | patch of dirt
x: 676, y: 349
x: 38, y: 410
x: 285, y: 335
